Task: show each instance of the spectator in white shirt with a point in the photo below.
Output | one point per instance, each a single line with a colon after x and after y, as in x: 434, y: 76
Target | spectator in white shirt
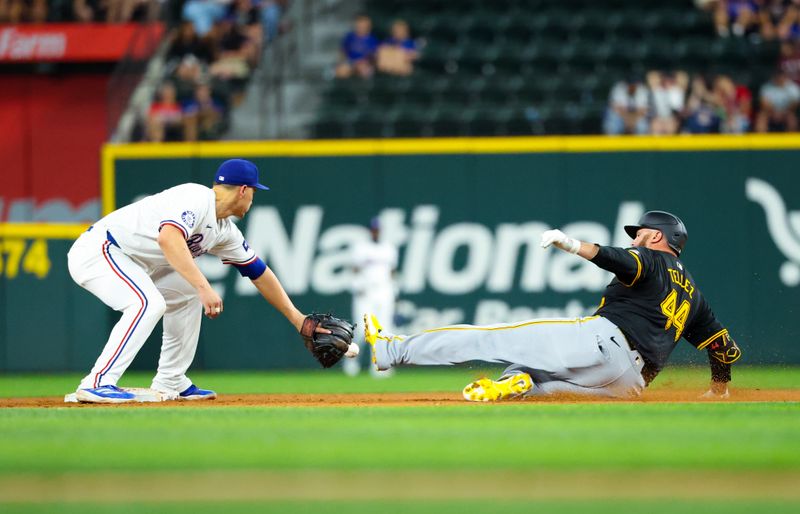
x: 627, y: 108
x: 779, y: 101
x: 668, y: 96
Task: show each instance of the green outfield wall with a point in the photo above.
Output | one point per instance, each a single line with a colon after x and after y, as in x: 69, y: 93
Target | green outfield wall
x: 467, y: 221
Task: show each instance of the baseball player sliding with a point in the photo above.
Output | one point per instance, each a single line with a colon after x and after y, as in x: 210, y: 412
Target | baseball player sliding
x: 651, y: 303
x: 139, y: 260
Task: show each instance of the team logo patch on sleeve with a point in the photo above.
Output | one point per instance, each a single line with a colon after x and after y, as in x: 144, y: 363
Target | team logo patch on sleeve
x: 189, y: 218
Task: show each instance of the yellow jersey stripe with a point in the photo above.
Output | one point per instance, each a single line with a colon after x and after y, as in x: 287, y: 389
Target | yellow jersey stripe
x: 519, y: 325
x: 638, y: 270
x: 708, y: 341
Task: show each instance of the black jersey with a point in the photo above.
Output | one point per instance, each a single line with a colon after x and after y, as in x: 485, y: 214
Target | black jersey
x: 654, y: 301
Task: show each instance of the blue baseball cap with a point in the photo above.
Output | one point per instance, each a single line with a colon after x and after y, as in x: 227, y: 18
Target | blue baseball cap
x: 238, y: 172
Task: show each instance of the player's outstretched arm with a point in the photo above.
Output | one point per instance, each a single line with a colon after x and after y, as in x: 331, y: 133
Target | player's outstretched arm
x: 326, y: 337
x: 173, y: 244
x: 563, y: 242
x: 271, y: 289
x: 626, y: 264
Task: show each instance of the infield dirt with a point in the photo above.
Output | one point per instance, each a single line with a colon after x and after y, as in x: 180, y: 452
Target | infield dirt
x: 414, y: 399
x: 656, y: 485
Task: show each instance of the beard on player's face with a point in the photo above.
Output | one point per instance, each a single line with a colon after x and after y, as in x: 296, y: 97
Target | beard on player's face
x: 643, y: 237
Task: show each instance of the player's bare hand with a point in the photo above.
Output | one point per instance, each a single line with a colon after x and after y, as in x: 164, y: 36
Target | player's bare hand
x: 717, y: 391
x: 298, y: 324
x: 212, y: 302
x: 560, y: 240
x: 711, y: 395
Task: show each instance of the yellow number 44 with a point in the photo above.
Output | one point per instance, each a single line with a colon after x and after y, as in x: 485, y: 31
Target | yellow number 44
x: 675, y: 316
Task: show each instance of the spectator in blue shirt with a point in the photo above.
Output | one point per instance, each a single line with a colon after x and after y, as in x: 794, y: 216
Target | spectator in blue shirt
x: 703, y: 108
x: 358, y: 49
x: 396, y: 55
x: 202, y: 116
x: 737, y: 16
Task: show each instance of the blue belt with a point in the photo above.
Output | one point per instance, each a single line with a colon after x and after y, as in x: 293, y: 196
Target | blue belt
x: 111, y: 239
x: 108, y: 236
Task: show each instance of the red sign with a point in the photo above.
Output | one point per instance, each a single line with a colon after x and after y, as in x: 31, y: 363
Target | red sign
x: 81, y: 42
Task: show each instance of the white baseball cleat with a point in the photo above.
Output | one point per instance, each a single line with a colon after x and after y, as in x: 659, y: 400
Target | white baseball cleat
x: 488, y: 390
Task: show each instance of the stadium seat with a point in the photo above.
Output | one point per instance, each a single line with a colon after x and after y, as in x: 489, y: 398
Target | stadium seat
x: 529, y: 66
x: 694, y: 54
x: 521, y: 27
x: 659, y: 53
x: 408, y: 120
x: 450, y: 120
x: 328, y: 126
x: 367, y: 124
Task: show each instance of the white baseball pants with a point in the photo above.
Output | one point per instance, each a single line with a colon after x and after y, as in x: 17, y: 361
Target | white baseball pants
x: 103, y: 269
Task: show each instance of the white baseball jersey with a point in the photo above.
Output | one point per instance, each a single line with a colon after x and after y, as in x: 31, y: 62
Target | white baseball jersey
x: 189, y: 208
x: 373, y: 289
x: 119, y: 261
x: 375, y: 263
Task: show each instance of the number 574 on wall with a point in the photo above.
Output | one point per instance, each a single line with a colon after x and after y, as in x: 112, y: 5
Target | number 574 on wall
x: 31, y: 257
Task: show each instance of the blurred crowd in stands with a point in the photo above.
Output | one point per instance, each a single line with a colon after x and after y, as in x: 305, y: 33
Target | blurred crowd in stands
x: 672, y: 102
x: 661, y: 102
x: 216, y: 44
x: 212, y: 52
x: 211, y: 56
x: 109, y: 11
x: 362, y: 53
x: 756, y: 19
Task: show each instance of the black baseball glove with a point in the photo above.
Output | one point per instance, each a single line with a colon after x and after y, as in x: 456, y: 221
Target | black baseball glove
x: 328, y: 349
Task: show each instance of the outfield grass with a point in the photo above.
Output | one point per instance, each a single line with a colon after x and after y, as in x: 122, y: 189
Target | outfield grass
x: 681, y: 453
x: 555, y: 436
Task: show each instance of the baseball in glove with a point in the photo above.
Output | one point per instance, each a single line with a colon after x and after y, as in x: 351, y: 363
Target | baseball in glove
x: 328, y: 349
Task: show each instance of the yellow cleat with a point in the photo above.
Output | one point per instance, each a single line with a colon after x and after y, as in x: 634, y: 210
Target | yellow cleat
x: 372, y: 328
x: 372, y: 331
x: 488, y: 390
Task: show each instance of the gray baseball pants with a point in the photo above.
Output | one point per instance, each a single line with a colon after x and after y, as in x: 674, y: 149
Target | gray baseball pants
x: 584, y: 355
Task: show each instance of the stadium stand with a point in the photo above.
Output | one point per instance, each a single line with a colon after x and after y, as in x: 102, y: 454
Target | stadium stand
x: 211, y: 56
x: 510, y: 67
x: 82, y: 11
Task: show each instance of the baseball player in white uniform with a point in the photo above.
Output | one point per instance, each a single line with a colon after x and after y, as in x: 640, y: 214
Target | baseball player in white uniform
x: 139, y: 260
x: 374, y: 263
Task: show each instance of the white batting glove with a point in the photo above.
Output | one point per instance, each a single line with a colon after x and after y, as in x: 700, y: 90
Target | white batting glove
x: 560, y: 240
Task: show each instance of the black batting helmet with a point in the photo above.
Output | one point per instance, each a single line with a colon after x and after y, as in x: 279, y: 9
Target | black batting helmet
x: 670, y: 225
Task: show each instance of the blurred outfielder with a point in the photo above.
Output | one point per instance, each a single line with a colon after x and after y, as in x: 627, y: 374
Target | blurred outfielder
x: 374, y: 263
